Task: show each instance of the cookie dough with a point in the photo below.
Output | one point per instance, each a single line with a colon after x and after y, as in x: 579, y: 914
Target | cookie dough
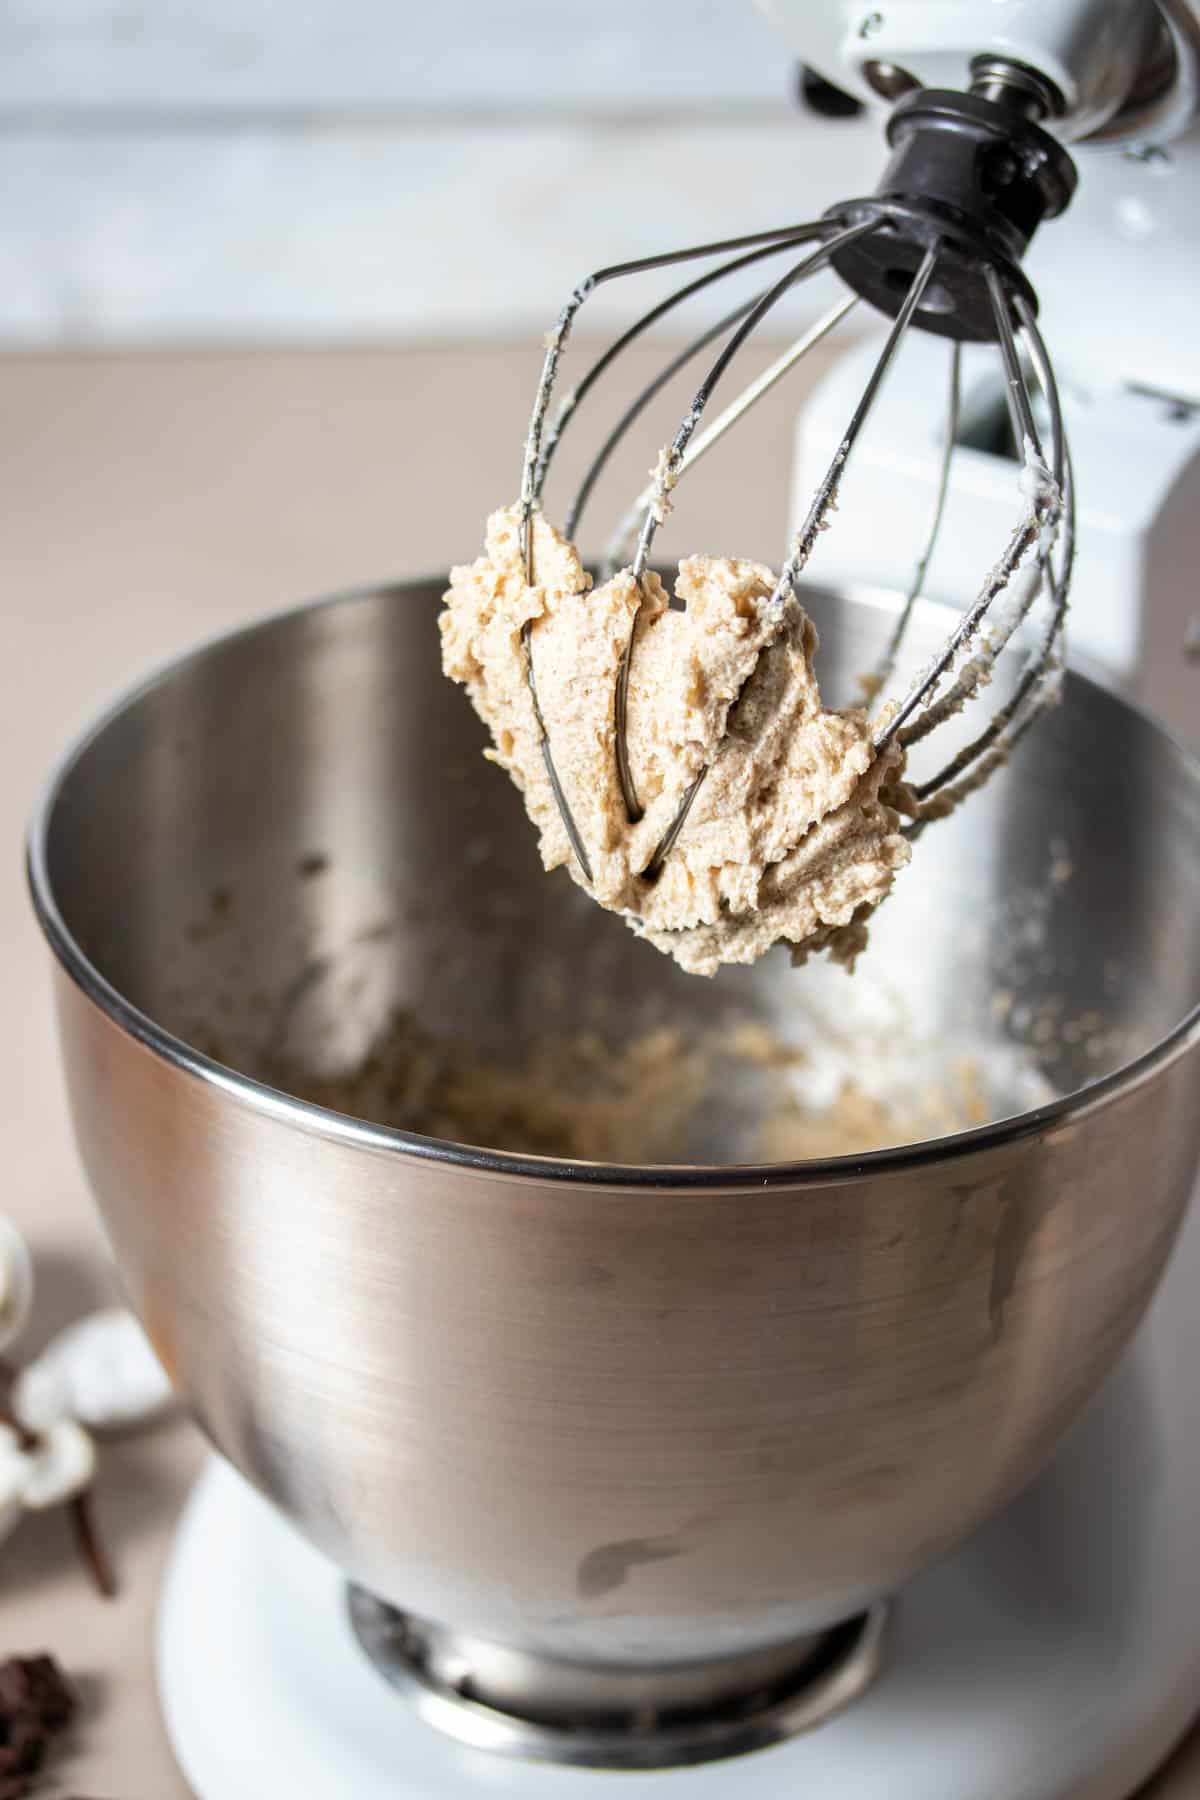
x: 575, y: 1096
x: 567, y: 1096
x: 793, y: 835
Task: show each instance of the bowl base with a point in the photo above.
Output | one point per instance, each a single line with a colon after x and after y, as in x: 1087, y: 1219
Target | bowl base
x: 542, y: 1709
x: 1059, y: 1646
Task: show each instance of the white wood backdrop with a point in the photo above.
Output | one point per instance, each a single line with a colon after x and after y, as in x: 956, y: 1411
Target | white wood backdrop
x: 182, y: 170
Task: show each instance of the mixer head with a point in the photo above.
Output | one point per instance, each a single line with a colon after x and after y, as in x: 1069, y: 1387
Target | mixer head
x: 936, y: 248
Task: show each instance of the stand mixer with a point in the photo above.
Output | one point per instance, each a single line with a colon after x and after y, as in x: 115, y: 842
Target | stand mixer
x: 1115, y: 278
x: 626, y: 1466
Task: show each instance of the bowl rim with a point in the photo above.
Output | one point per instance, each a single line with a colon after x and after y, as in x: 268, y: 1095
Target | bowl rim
x: 342, y: 1127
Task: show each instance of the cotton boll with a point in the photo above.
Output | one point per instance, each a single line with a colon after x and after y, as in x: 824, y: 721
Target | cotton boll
x: 100, y: 1371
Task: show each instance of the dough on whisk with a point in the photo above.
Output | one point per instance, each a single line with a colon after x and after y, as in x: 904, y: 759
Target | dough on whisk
x: 793, y: 835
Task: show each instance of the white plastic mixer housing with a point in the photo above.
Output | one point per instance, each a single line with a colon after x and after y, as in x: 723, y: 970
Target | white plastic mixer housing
x: 1118, y: 278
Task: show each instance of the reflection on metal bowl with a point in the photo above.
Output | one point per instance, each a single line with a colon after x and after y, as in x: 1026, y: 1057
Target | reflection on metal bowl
x: 610, y: 1415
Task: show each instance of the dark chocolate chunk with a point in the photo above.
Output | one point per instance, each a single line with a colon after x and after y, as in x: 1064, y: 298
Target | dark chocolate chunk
x: 34, y: 1685
x: 24, y: 1748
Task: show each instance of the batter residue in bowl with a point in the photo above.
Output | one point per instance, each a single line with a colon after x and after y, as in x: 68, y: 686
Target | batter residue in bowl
x: 576, y: 1098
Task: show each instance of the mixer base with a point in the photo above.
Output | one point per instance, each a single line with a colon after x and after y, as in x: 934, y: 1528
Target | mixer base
x: 1055, y: 1656
x: 560, y: 1713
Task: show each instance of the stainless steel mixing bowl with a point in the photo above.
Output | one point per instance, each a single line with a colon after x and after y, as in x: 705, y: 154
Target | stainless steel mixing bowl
x: 617, y: 1417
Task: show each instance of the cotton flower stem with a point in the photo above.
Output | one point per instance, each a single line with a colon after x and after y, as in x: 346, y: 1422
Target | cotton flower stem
x: 91, y: 1549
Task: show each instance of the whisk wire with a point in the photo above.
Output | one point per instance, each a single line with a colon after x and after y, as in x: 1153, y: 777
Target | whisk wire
x: 572, y: 830
x: 557, y: 339
x: 929, y: 679
x: 1043, y: 368
x: 825, y: 498
x: 1016, y: 392
x: 621, y: 546
x: 886, y: 666
x: 1034, y: 529
x: 667, y: 475
x: 822, y: 503
x: 569, y: 406
x: 668, y: 472
x: 997, y: 738
x: 1034, y: 685
x: 638, y: 405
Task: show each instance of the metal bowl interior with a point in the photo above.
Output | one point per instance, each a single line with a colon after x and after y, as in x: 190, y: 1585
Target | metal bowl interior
x: 292, y: 834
